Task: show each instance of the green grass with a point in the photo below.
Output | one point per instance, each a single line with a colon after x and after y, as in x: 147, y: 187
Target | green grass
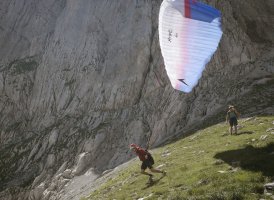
x: 210, y: 164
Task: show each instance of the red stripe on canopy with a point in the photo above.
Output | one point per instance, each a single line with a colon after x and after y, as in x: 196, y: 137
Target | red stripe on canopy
x: 187, y: 8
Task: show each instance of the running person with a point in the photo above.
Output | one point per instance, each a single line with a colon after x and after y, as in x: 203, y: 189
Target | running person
x: 147, y: 161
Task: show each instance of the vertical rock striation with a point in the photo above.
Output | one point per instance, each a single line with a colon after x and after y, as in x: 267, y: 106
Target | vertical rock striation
x: 80, y: 80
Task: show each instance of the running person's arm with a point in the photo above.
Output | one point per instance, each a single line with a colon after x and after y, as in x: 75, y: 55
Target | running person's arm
x: 237, y: 113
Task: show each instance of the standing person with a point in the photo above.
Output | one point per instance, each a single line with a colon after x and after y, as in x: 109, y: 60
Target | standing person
x: 147, y: 161
x: 232, y: 118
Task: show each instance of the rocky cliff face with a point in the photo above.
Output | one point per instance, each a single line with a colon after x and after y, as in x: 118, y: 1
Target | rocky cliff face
x: 80, y: 80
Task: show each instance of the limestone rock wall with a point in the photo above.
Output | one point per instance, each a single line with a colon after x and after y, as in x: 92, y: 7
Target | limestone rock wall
x: 80, y: 80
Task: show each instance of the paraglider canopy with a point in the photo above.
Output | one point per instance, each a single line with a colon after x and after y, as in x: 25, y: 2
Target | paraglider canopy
x: 189, y: 34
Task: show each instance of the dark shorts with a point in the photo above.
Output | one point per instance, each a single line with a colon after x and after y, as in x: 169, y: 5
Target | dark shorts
x: 147, y: 163
x: 233, y: 121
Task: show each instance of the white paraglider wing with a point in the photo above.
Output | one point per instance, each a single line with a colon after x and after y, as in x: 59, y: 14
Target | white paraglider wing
x: 189, y: 34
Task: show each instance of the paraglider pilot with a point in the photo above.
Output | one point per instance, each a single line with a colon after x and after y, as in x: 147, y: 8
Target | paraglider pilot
x: 147, y: 161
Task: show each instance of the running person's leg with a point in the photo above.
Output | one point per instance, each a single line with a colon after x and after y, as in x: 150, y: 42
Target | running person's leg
x: 149, y: 165
x: 143, y: 168
x: 235, y: 125
x: 230, y: 126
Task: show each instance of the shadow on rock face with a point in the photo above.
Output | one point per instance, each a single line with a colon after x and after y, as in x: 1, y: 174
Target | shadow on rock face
x: 251, y: 158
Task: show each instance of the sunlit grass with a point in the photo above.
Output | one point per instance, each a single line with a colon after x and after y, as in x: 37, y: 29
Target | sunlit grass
x: 210, y: 164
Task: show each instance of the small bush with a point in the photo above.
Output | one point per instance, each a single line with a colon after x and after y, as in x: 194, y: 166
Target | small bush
x: 236, y: 195
x: 259, y: 189
x: 218, y: 196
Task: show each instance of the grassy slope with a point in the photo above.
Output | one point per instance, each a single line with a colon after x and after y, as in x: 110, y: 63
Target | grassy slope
x: 210, y: 164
